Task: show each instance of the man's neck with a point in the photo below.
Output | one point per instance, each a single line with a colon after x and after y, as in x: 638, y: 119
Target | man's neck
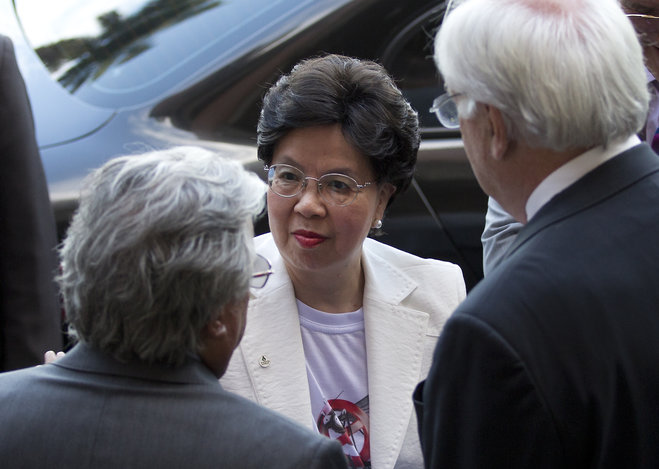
x: 528, y: 167
x: 572, y: 170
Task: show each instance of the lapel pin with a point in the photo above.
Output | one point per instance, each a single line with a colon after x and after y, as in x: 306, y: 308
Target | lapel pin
x: 264, y: 361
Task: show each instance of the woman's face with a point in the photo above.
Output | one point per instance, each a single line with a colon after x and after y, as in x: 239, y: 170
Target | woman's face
x: 311, y: 234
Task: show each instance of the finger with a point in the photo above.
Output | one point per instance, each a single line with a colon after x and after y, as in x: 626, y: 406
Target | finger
x: 49, y: 357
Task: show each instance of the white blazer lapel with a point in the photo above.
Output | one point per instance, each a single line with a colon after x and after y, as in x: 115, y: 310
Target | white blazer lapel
x: 394, y: 348
x: 272, y: 349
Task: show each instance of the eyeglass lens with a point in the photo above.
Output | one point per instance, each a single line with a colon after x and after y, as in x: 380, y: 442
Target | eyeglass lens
x: 446, y: 111
x: 261, y: 271
x: 288, y: 181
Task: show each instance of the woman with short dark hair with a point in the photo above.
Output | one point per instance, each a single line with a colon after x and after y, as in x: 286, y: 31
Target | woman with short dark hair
x: 357, y: 95
x: 346, y: 325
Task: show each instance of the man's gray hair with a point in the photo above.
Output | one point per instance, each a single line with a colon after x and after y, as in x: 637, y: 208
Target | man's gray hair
x: 159, y: 244
x: 564, y: 73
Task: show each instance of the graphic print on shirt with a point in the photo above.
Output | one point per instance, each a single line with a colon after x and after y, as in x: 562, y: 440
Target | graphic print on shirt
x: 347, y: 422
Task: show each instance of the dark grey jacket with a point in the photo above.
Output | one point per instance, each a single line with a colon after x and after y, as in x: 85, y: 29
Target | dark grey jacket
x: 87, y: 410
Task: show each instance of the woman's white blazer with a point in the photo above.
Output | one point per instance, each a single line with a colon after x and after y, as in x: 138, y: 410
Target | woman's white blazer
x: 406, y: 303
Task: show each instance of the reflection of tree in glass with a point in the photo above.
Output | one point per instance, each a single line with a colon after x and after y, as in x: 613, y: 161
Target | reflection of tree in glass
x: 74, y: 61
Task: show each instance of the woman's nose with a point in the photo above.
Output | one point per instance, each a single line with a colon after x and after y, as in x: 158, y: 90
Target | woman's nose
x: 310, y: 203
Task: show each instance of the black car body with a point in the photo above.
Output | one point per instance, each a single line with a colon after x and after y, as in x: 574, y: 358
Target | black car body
x: 124, y: 76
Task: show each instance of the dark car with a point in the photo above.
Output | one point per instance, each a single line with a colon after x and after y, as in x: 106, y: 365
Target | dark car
x: 123, y: 76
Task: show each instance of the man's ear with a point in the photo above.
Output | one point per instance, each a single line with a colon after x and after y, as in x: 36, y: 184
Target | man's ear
x: 499, y: 142
x: 221, y: 335
x: 215, y: 328
x: 215, y: 350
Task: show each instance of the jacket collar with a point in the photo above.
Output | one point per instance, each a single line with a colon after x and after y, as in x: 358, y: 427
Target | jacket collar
x: 607, y: 179
x: 394, y: 354
x: 86, y: 358
x: 272, y: 347
x: 383, y: 280
x: 394, y: 348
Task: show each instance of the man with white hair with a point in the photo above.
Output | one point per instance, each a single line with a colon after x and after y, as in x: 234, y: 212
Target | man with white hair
x: 500, y: 227
x: 551, y: 361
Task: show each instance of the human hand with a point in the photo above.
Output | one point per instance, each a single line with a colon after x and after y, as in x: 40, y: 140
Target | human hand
x: 51, y: 356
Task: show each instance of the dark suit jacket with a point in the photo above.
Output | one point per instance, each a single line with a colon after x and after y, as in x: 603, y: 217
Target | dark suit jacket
x: 87, y: 410
x: 29, y: 311
x: 553, y: 360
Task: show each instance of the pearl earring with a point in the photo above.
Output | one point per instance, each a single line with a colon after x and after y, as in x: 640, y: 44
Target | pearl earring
x: 378, y: 225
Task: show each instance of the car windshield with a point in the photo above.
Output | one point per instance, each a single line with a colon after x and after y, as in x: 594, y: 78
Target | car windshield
x: 124, y: 52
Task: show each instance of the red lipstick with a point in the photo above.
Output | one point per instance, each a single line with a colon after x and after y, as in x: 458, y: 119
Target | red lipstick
x: 308, y: 239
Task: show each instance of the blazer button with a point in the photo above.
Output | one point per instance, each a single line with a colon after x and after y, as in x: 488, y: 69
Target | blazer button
x: 264, y: 361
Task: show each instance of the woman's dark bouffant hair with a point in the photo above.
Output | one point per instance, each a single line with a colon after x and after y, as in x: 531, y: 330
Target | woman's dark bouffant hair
x: 361, y: 97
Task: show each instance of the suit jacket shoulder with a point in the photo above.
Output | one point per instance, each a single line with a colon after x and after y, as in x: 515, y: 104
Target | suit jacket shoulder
x: 561, y: 336
x: 398, y: 277
x: 138, y: 415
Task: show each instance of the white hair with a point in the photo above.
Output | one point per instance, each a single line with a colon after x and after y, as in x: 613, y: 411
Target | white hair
x: 159, y: 244
x: 564, y: 73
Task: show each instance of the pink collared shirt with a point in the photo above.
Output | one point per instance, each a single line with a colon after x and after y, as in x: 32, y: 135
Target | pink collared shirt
x: 653, y: 114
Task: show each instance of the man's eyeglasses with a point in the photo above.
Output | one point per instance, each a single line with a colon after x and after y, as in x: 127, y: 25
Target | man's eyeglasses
x: 646, y: 26
x: 334, y: 188
x: 446, y: 110
x: 261, y: 272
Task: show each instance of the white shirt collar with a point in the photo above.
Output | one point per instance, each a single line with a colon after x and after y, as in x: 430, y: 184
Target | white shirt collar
x: 574, y: 170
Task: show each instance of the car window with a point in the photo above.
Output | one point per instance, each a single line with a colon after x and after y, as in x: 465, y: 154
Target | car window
x: 119, y: 53
x: 409, y: 58
x: 418, y: 78
x: 200, y: 63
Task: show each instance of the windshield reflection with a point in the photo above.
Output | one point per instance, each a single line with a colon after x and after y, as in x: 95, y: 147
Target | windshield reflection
x: 74, y: 61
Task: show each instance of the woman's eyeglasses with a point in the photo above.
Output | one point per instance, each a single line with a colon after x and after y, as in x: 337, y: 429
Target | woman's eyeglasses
x: 261, y: 272
x: 334, y: 188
